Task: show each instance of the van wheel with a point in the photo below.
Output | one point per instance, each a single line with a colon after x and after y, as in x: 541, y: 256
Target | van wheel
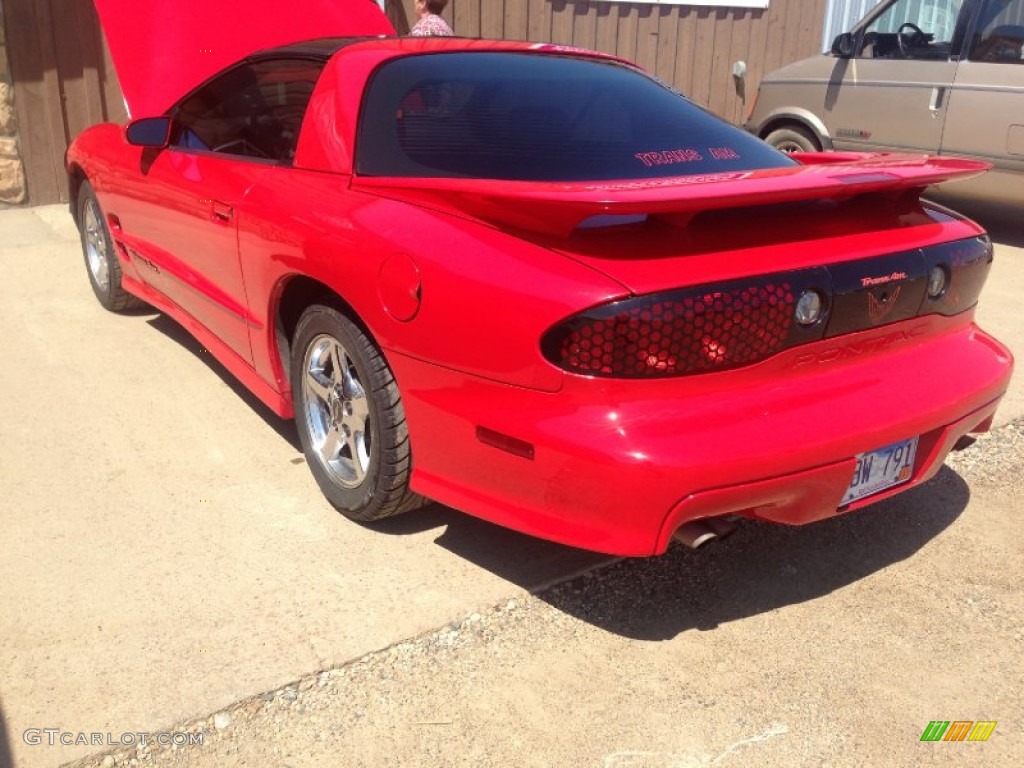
x: 793, y: 139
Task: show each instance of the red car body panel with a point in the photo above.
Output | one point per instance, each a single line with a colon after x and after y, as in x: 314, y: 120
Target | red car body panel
x: 190, y: 242
x: 162, y: 50
x: 457, y: 281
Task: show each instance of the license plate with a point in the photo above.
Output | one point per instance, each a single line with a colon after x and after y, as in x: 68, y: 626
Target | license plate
x: 881, y: 469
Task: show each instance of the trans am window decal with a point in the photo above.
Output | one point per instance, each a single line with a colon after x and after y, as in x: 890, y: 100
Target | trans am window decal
x: 669, y: 156
x: 672, y: 156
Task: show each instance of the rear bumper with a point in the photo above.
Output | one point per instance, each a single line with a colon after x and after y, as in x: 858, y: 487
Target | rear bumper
x: 618, y: 466
x: 815, y: 494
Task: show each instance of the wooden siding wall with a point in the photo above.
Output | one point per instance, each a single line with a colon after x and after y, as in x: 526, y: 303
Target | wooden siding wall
x: 692, y: 47
x: 64, y: 80
x: 63, y: 83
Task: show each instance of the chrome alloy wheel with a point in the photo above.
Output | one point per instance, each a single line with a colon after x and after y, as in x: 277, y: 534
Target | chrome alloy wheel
x: 96, y: 248
x: 337, y: 412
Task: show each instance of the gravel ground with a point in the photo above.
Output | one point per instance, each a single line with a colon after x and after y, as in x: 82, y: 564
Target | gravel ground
x: 995, y: 460
x: 832, y: 644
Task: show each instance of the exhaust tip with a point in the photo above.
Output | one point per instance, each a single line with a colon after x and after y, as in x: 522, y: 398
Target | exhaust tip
x: 694, y: 534
x: 722, y: 526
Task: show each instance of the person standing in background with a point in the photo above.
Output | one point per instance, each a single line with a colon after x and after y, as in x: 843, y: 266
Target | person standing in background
x: 430, y: 23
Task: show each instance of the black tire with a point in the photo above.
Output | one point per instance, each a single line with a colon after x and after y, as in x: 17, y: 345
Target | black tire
x: 101, y: 264
x: 793, y: 138
x: 354, y: 433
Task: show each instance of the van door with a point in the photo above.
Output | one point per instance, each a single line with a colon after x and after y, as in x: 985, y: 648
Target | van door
x: 985, y: 118
x: 894, y: 92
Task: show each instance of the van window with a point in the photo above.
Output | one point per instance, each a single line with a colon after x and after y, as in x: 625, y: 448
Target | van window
x: 912, y: 29
x: 999, y: 34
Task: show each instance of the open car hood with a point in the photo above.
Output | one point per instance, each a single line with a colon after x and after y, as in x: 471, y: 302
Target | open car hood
x: 162, y: 49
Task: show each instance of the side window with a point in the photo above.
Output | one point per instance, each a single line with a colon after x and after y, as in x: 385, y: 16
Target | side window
x: 912, y: 29
x: 999, y: 35
x: 254, y: 110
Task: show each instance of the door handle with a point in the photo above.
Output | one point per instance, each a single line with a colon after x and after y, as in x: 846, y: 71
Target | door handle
x: 221, y: 213
x: 938, y: 100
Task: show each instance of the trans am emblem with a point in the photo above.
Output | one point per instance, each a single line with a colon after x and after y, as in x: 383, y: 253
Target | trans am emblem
x: 879, y: 309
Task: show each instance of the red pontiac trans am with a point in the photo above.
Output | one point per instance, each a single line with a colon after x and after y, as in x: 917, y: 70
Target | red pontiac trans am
x: 531, y: 282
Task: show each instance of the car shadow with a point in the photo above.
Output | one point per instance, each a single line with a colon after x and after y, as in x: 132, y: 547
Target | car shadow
x: 169, y: 327
x: 760, y: 568
x: 528, y: 562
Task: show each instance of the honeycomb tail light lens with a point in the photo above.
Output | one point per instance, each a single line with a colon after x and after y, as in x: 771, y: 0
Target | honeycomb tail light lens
x: 689, y: 331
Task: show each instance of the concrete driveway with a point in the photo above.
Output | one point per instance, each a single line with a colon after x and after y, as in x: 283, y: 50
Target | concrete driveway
x: 164, y: 549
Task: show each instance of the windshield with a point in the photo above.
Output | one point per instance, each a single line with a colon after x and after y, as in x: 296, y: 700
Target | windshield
x: 530, y: 117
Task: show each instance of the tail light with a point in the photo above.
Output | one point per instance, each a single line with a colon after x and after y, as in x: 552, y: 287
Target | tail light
x: 693, y: 330
x: 728, y: 325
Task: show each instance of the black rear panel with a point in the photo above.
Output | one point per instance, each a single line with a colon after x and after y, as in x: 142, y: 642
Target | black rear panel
x: 888, y: 289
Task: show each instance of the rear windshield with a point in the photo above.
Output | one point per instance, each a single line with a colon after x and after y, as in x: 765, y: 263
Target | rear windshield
x: 539, y: 117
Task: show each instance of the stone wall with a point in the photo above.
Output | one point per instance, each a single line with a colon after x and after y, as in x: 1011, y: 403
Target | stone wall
x: 12, y: 172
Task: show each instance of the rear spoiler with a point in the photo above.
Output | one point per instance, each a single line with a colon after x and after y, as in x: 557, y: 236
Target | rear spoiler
x: 558, y: 208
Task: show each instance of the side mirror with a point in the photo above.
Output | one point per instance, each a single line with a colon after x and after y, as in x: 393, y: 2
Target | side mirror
x: 149, y: 132
x: 843, y: 46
